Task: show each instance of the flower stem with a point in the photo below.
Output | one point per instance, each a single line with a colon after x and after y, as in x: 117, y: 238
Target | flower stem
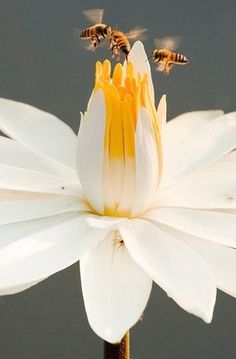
x: 117, y: 351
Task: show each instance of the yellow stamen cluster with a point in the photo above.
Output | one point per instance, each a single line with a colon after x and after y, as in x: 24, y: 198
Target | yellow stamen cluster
x: 125, y: 93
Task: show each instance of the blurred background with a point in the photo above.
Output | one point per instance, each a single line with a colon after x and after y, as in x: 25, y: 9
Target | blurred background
x: 42, y: 64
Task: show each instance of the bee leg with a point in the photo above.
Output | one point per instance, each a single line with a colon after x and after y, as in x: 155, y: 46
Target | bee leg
x: 115, y: 51
x: 168, y: 68
x: 118, y: 56
x: 126, y: 56
x: 94, y: 42
x: 111, y: 45
x: 98, y: 40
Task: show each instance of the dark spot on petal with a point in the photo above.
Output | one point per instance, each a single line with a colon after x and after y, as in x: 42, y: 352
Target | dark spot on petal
x: 230, y: 197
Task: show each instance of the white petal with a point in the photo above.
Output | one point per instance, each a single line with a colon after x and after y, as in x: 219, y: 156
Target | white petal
x: 24, y: 206
x: 221, y: 259
x: 15, y: 154
x: 213, y: 226
x: 90, y: 151
x: 204, y: 146
x: 146, y: 163
x: 180, y: 271
x: 105, y: 222
x: 32, y: 251
x: 20, y: 179
x: 115, y: 290
x: 186, y: 124
x: 141, y: 64
x: 129, y: 187
x: 213, y: 187
x: 41, y: 131
x: 20, y: 288
x: 161, y: 112
x: 22, y: 169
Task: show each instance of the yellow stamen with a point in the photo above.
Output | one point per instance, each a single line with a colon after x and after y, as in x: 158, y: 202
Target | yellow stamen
x: 125, y: 93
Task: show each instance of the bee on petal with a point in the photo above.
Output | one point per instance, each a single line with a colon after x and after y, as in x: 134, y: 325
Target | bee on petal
x: 164, y: 56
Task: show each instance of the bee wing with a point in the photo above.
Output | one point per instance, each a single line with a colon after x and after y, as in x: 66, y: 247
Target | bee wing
x: 136, y: 33
x: 94, y: 15
x: 88, y: 46
x: 86, y: 43
x: 169, y: 42
x: 76, y: 33
x: 160, y: 67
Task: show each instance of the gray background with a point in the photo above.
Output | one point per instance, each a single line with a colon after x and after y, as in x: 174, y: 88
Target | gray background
x: 42, y: 64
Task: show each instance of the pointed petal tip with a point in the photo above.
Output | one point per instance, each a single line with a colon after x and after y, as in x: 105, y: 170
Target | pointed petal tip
x: 194, y: 289
x: 138, y: 44
x: 108, y: 334
x: 138, y: 51
x: 206, y: 314
x: 141, y: 63
x: 204, y: 310
x: 201, y: 310
x: 162, y: 111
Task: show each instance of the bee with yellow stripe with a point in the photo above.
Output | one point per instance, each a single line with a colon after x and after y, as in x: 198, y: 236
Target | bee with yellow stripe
x: 163, y: 55
x: 119, y: 41
x: 96, y: 33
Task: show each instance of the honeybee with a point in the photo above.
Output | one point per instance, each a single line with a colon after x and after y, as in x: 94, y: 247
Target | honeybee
x: 97, y: 32
x: 119, y: 41
x: 164, y: 56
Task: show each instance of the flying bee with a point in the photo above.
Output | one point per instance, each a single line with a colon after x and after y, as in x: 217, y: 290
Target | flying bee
x: 97, y: 32
x: 119, y: 41
x: 164, y: 56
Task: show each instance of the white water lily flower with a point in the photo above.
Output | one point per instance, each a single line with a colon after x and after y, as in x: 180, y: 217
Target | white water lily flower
x: 134, y: 198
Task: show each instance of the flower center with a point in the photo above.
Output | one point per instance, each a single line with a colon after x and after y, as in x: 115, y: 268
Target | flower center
x: 125, y: 94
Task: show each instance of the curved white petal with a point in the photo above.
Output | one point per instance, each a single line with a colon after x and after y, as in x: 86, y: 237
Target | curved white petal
x: 180, y: 271
x: 203, y: 147
x: 38, y: 130
x: 90, y: 151
x: 161, y: 112
x: 32, y: 251
x: 21, y: 287
x: 15, y: 154
x: 115, y: 290
x: 22, y: 169
x: 129, y: 188
x: 141, y: 64
x: 213, y: 187
x: 23, y: 206
x: 105, y: 222
x: 146, y: 163
x: 221, y: 259
x: 183, y: 126
x: 20, y: 179
x: 210, y: 225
